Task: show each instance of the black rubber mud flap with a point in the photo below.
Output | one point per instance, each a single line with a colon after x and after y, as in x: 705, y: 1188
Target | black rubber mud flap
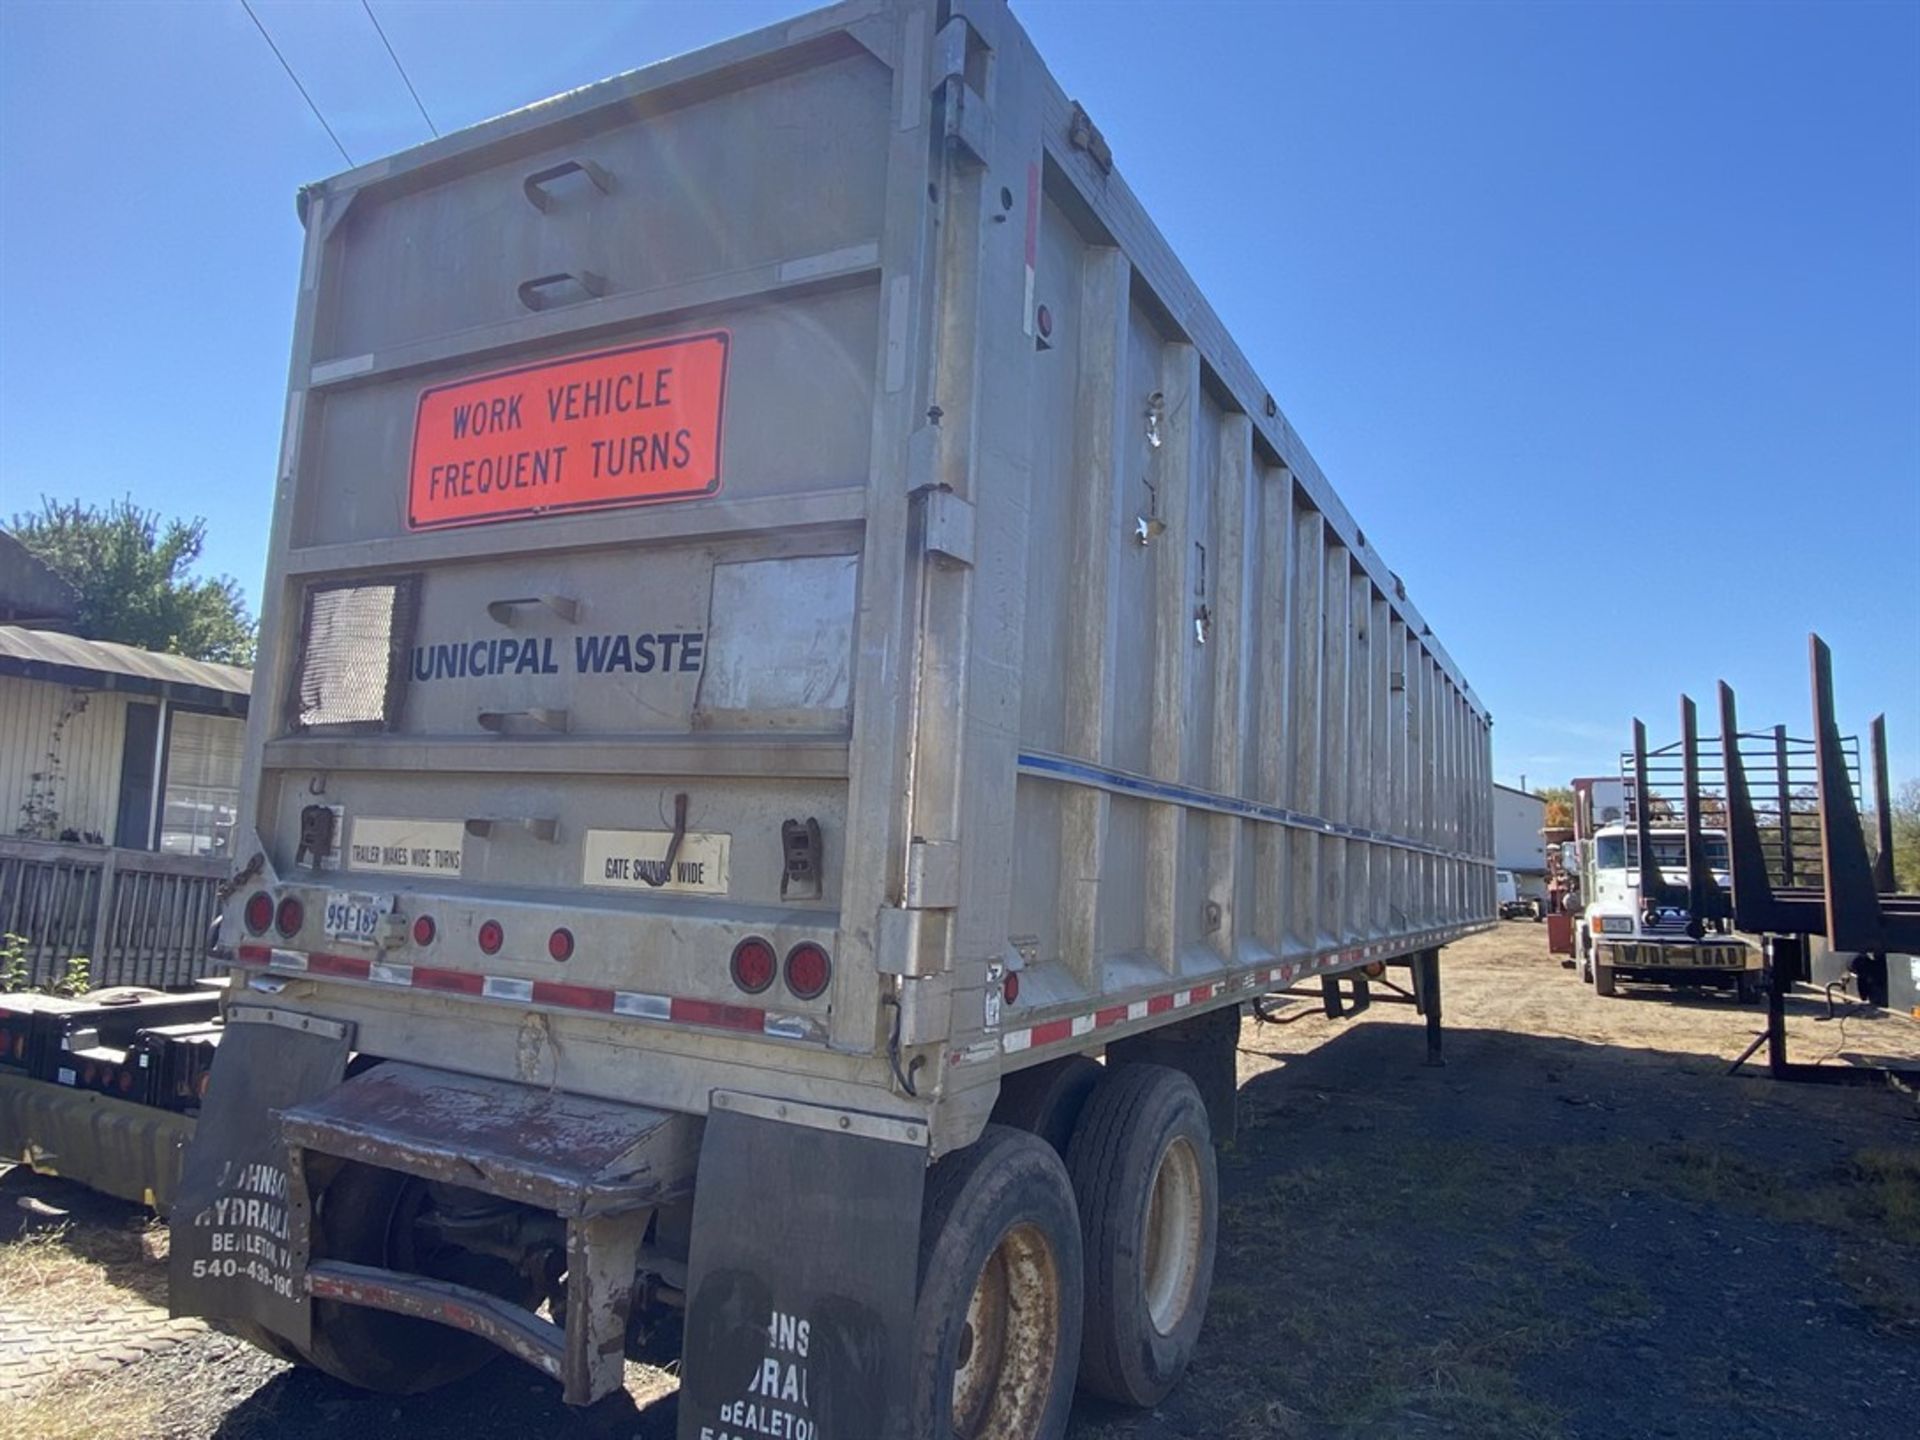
x: 237, y: 1245
x: 800, y: 1283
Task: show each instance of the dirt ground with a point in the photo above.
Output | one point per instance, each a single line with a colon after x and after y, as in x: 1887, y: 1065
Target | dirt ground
x: 1580, y: 1226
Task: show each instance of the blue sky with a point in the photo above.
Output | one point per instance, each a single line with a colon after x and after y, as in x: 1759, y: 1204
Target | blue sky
x: 1605, y: 320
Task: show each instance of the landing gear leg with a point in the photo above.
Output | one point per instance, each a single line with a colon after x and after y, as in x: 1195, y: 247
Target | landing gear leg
x: 1426, y: 994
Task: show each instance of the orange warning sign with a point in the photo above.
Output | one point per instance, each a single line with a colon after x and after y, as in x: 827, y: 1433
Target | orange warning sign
x: 617, y: 427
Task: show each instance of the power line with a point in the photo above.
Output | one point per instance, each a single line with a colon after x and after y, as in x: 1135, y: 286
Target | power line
x: 296, y: 82
x: 401, y: 68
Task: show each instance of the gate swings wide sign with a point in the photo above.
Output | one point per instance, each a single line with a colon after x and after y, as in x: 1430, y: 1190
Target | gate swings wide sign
x: 585, y: 432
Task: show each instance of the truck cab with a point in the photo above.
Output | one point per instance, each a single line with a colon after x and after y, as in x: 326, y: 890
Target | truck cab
x: 1620, y: 938
x: 1514, y: 905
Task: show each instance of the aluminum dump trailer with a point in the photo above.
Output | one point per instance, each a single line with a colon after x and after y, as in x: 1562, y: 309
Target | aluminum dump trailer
x: 791, y: 631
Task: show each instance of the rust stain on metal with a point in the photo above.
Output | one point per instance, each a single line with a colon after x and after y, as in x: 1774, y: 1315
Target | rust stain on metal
x: 524, y: 1334
x: 567, y: 1153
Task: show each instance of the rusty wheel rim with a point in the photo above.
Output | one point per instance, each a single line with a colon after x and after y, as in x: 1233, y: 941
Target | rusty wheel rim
x: 1009, y: 1342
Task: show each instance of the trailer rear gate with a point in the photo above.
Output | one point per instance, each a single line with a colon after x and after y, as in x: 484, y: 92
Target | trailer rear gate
x: 793, y: 494
x: 711, y: 431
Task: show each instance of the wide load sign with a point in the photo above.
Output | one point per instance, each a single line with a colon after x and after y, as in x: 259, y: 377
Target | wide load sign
x: 632, y: 426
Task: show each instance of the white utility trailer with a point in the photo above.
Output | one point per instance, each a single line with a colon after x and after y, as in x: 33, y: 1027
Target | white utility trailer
x: 790, y: 630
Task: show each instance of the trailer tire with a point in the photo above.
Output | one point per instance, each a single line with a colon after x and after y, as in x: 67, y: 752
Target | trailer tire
x: 1046, y: 1100
x: 362, y: 1215
x: 1143, y: 1169
x: 1603, y: 979
x: 996, y: 1339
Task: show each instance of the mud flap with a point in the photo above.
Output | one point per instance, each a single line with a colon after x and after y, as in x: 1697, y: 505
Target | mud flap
x: 806, y: 1239
x: 237, y: 1249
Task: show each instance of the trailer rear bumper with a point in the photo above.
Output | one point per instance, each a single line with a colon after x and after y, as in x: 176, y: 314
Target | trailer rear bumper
x: 601, y: 1166
x: 131, y: 1152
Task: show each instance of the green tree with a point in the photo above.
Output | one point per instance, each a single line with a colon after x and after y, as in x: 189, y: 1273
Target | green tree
x: 1906, y: 838
x: 132, y: 573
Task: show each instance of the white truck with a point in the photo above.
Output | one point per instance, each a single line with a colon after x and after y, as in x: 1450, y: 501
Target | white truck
x: 803, y: 683
x: 1514, y: 905
x: 1620, y: 938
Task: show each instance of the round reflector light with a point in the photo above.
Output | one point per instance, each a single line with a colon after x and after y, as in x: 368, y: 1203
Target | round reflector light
x: 259, y: 912
x: 560, y: 944
x: 754, y: 965
x: 423, y: 930
x: 125, y: 1081
x: 289, y: 917
x: 808, y: 970
x: 492, y: 937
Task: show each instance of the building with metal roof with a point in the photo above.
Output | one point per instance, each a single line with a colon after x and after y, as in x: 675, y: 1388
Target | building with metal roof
x: 103, y: 743
x: 30, y: 593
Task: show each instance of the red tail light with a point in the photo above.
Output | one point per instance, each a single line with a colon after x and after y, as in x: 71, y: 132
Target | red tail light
x: 492, y: 937
x: 259, y: 912
x: 1010, y: 987
x: 290, y: 917
x: 808, y: 970
x: 754, y: 965
x: 423, y: 930
x: 560, y: 944
x: 125, y: 1082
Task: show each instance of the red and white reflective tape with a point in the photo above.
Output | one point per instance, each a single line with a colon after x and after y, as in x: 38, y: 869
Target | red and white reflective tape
x: 554, y: 994
x: 1051, y: 1032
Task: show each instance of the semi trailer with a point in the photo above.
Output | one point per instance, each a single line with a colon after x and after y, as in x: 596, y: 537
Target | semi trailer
x: 803, y: 682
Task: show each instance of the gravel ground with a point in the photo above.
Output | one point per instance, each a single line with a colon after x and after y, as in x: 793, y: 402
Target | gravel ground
x: 1581, y: 1226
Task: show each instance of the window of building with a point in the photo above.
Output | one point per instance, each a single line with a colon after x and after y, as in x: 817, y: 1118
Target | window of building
x: 201, y: 798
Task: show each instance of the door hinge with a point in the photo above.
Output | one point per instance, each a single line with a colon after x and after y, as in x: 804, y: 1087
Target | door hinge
x: 933, y: 876
x: 946, y: 524
x: 962, y: 66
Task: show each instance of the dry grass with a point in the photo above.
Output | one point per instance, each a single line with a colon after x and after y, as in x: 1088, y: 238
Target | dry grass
x: 1869, y: 1203
x: 53, y: 1275
x: 60, y: 1271
x: 1457, y: 1358
x: 115, y: 1406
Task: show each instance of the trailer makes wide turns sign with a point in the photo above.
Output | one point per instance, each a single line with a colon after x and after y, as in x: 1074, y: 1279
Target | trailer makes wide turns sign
x: 616, y: 427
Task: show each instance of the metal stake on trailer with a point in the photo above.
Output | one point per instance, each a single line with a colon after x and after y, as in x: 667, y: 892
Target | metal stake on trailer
x: 1853, y: 907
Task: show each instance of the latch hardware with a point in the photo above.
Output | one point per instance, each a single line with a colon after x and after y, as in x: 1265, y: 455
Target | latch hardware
x: 801, y: 878
x: 317, y: 826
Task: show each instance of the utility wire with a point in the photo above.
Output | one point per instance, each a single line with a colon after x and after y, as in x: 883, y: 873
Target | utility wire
x: 296, y: 82
x: 401, y: 68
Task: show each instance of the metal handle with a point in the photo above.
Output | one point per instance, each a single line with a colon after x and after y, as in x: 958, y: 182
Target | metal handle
x: 496, y: 720
x: 658, y: 872
x: 532, y: 292
x: 502, y: 611
x: 535, y: 185
x: 481, y: 827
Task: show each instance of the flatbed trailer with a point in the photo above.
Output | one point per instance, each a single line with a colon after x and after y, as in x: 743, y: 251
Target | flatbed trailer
x: 791, y: 635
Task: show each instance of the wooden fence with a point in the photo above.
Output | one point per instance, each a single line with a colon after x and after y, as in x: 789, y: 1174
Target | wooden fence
x: 136, y: 917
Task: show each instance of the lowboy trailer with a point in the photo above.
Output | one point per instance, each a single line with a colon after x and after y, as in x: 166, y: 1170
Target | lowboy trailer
x: 790, y: 630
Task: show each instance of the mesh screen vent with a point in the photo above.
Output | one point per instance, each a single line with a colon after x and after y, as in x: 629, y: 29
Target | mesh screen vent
x: 351, y: 674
